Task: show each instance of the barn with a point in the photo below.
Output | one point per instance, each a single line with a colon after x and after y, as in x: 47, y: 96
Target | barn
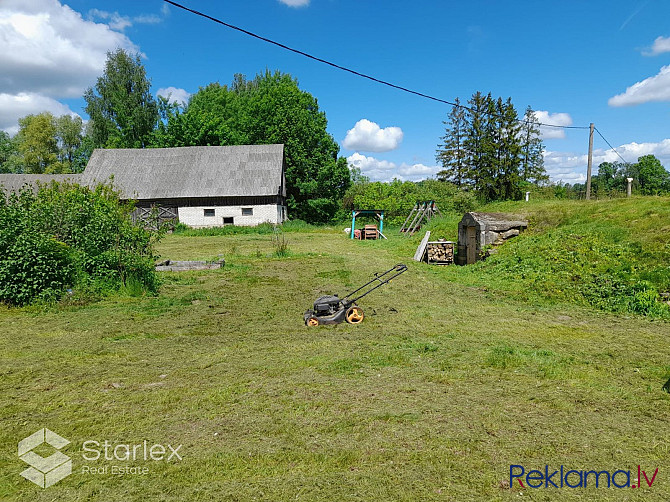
x: 15, y: 182
x: 200, y: 186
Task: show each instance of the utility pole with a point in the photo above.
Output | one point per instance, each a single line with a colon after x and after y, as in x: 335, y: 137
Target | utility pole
x: 588, y: 169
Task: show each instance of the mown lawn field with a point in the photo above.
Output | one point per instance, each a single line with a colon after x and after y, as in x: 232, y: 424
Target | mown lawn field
x: 445, y: 384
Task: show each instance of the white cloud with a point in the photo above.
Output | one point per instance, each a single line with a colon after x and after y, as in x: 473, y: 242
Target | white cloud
x: 384, y: 170
x: 661, y: 45
x: 48, y: 52
x: 12, y: 107
x: 656, y: 88
x: 118, y: 22
x: 571, y: 167
x: 115, y: 20
x: 369, y: 137
x: 49, y: 49
x: 174, y: 94
x: 558, y: 119
x: 295, y: 3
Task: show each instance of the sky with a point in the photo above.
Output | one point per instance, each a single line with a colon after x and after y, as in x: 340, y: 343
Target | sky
x: 574, y: 62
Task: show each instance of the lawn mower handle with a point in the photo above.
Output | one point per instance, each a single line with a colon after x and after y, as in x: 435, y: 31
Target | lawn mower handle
x: 382, y: 278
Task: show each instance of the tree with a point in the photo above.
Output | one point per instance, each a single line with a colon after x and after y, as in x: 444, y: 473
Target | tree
x: 121, y: 107
x: 652, y: 177
x: 69, y: 136
x: 452, y: 153
x: 611, y: 178
x: 9, y: 154
x: 269, y: 109
x: 356, y: 176
x: 606, y: 179
x: 508, y: 150
x: 532, y: 158
x: 487, y: 147
x: 37, y: 142
x: 477, y: 139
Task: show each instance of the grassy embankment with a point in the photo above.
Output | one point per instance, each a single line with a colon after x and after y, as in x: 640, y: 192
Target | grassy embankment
x: 455, y: 374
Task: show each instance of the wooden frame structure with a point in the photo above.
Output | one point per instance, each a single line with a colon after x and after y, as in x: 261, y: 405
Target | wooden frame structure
x: 155, y: 216
x: 422, y: 211
x: 379, y: 213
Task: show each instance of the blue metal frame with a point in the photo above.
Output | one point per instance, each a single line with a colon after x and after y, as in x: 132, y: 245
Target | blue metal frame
x: 377, y: 212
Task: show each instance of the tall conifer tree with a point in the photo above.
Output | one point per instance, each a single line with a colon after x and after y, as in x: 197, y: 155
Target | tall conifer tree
x: 451, y: 152
x: 532, y: 158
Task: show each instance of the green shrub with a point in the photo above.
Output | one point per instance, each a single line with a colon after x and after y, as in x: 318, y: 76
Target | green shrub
x: 35, y: 266
x: 398, y: 198
x: 68, y: 236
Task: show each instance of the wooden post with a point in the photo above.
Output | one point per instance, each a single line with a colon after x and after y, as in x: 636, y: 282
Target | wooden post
x: 590, y: 163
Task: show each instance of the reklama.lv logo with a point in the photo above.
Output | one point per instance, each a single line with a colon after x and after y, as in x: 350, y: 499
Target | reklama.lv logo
x: 560, y: 478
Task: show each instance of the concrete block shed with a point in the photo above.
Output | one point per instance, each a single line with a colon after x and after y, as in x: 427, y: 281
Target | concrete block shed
x: 478, y: 230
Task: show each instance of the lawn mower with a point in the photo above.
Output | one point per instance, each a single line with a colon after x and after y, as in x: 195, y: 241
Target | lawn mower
x: 334, y: 310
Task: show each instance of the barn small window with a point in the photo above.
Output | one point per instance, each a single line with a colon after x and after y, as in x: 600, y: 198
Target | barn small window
x: 209, y: 212
x: 228, y: 220
x: 247, y: 211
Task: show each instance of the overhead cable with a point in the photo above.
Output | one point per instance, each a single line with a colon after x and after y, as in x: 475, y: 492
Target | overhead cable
x: 349, y: 70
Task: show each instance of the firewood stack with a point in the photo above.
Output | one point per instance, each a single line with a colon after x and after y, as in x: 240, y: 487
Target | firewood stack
x: 440, y: 252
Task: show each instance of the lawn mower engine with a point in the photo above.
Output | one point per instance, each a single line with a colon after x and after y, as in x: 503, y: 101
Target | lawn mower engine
x: 332, y: 309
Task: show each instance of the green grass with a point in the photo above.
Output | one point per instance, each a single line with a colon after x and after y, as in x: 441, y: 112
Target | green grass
x: 447, y: 382
x: 610, y: 254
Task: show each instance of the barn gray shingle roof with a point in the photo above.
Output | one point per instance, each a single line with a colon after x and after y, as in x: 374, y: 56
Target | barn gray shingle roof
x: 14, y: 182
x: 195, y: 171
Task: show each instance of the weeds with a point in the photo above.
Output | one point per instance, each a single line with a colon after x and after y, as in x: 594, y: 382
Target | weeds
x: 280, y: 245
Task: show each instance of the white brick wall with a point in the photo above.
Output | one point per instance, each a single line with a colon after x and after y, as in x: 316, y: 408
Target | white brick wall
x: 195, y: 216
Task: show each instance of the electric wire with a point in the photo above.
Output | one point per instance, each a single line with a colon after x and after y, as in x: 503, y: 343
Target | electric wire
x: 608, y: 144
x: 349, y: 70
x: 370, y: 77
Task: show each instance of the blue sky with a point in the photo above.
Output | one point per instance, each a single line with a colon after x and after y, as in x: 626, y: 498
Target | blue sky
x: 575, y: 62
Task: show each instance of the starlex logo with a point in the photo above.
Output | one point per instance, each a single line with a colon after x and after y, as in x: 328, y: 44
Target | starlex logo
x: 562, y: 477
x: 45, y: 472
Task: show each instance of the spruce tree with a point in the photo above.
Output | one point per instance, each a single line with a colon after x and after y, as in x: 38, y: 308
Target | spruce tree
x: 532, y: 160
x: 476, y: 141
x: 509, y: 147
x: 451, y: 153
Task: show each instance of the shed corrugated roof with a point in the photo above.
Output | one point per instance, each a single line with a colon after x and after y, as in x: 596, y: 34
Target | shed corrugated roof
x: 14, y: 182
x: 194, y: 171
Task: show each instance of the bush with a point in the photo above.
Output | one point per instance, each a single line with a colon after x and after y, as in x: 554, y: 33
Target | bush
x: 35, y: 266
x: 66, y: 235
x: 398, y: 198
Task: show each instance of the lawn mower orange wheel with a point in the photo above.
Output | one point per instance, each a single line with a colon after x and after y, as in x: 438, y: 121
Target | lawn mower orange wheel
x: 354, y: 315
x: 312, y: 321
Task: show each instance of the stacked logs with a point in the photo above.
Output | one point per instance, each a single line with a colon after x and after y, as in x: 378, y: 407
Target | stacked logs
x: 440, y: 252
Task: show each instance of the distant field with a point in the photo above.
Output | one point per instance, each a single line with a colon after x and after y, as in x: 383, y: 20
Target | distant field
x: 455, y: 374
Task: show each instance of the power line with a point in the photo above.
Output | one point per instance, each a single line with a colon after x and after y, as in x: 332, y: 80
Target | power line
x: 608, y: 144
x: 349, y: 70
